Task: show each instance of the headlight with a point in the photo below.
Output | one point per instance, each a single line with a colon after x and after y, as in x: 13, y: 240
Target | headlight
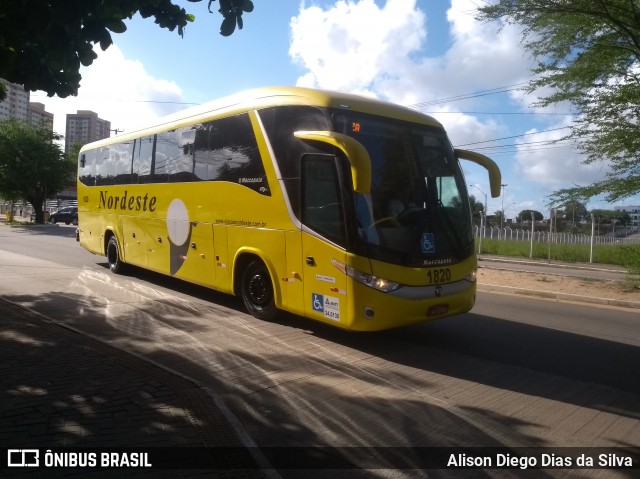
x: 367, y: 279
x: 471, y: 277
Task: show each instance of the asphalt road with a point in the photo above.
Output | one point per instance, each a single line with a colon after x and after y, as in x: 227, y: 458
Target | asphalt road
x: 514, y: 372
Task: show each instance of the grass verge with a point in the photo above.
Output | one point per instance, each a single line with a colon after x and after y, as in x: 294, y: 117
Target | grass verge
x: 627, y: 256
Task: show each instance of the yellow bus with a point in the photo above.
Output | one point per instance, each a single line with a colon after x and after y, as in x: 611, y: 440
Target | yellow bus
x: 340, y: 208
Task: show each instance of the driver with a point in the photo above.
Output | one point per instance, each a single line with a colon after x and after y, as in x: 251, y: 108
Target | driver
x: 399, y: 202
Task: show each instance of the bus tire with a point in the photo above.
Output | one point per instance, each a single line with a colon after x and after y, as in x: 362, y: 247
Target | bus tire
x: 113, y: 256
x: 256, y: 290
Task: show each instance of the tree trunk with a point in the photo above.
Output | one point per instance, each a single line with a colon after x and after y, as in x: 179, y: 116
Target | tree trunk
x: 38, y: 209
x: 39, y: 212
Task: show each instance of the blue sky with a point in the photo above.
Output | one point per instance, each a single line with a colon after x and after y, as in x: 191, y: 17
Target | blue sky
x: 430, y: 55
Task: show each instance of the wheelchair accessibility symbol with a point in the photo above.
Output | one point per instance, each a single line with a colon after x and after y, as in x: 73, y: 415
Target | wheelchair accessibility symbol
x: 427, y: 243
x: 318, y: 303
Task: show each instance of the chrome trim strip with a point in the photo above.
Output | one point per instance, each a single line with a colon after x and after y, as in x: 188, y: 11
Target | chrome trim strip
x: 429, y: 292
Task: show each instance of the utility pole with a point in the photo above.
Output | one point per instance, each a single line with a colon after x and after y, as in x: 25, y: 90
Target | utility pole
x: 593, y: 232
x: 550, y: 233
x: 533, y: 231
x: 502, y: 215
x: 483, y: 224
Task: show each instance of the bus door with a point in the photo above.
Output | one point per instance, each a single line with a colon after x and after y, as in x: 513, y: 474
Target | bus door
x: 323, y: 237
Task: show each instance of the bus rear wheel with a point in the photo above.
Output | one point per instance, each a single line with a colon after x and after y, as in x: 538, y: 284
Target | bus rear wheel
x: 113, y: 256
x: 256, y: 290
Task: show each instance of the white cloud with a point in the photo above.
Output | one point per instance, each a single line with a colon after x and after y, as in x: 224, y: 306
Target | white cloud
x: 555, y: 165
x: 467, y: 129
x: 483, y: 54
x: 379, y: 48
x: 352, y: 46
x: 119, y: 90
x: 360, y: 47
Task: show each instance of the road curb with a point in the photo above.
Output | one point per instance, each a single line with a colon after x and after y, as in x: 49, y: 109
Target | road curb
x: 573, y: 298
x: 578, y: 266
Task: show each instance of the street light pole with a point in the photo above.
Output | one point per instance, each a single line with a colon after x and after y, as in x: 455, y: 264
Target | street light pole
x: 485, y: 198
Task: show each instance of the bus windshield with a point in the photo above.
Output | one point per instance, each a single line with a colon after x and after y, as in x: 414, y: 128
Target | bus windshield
x: 417, y: 213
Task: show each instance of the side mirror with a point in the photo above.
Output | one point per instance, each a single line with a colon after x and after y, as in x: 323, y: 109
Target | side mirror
x: 355, y: 152
x: 495, y: 177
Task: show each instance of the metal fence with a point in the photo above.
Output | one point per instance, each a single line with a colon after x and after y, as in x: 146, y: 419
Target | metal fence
x: 25, y: 209
x: 513, y: 234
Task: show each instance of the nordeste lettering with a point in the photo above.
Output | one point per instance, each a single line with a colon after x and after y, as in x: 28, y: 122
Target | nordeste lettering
x: 126, y: 202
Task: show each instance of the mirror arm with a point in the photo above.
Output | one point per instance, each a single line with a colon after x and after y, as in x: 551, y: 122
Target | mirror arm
x: 355, y: 152
x: 495, y: 177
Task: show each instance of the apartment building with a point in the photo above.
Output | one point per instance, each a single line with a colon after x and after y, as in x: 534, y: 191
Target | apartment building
x: 632, y: 211
x: 17, y: 105
x: 84, y: 127
x: 37, y: 115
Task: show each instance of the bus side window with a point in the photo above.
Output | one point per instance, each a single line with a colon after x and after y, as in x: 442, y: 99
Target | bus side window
x: 226, y: 150
x: 120, y: 157
x: 322, y: 208
x: 104, y: 168
x: 146, y: 159
x: 87, y: 167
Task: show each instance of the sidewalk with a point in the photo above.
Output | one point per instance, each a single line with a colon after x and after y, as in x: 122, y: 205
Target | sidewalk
x: 61, y: 388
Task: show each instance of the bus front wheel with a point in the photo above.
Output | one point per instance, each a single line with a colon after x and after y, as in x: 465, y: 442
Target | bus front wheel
x: 257, y: 291
x: 113, y: 255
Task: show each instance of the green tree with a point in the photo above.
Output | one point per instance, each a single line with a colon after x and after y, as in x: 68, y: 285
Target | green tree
x: 623, y: 217
x: 498, y: 217
x: 588, y: 54
x: 43, y: 44
x: 572, y: 212
x: 476, y: 206
x: 525, y: 215
x: 33, y: 166
x: 610, y: 217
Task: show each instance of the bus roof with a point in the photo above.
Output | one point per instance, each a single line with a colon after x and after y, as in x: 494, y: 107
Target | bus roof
x: 266, y: 97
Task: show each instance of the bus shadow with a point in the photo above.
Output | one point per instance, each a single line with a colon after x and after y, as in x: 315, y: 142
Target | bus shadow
x: 80, y: 392
x: 446, y: 347
x: 528, y: 359
x: 291, y: 394
x: 513, y: 356
x: 180, y: 286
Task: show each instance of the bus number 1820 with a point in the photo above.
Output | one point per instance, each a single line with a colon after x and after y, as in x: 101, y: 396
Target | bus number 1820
x: 440, y: 275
